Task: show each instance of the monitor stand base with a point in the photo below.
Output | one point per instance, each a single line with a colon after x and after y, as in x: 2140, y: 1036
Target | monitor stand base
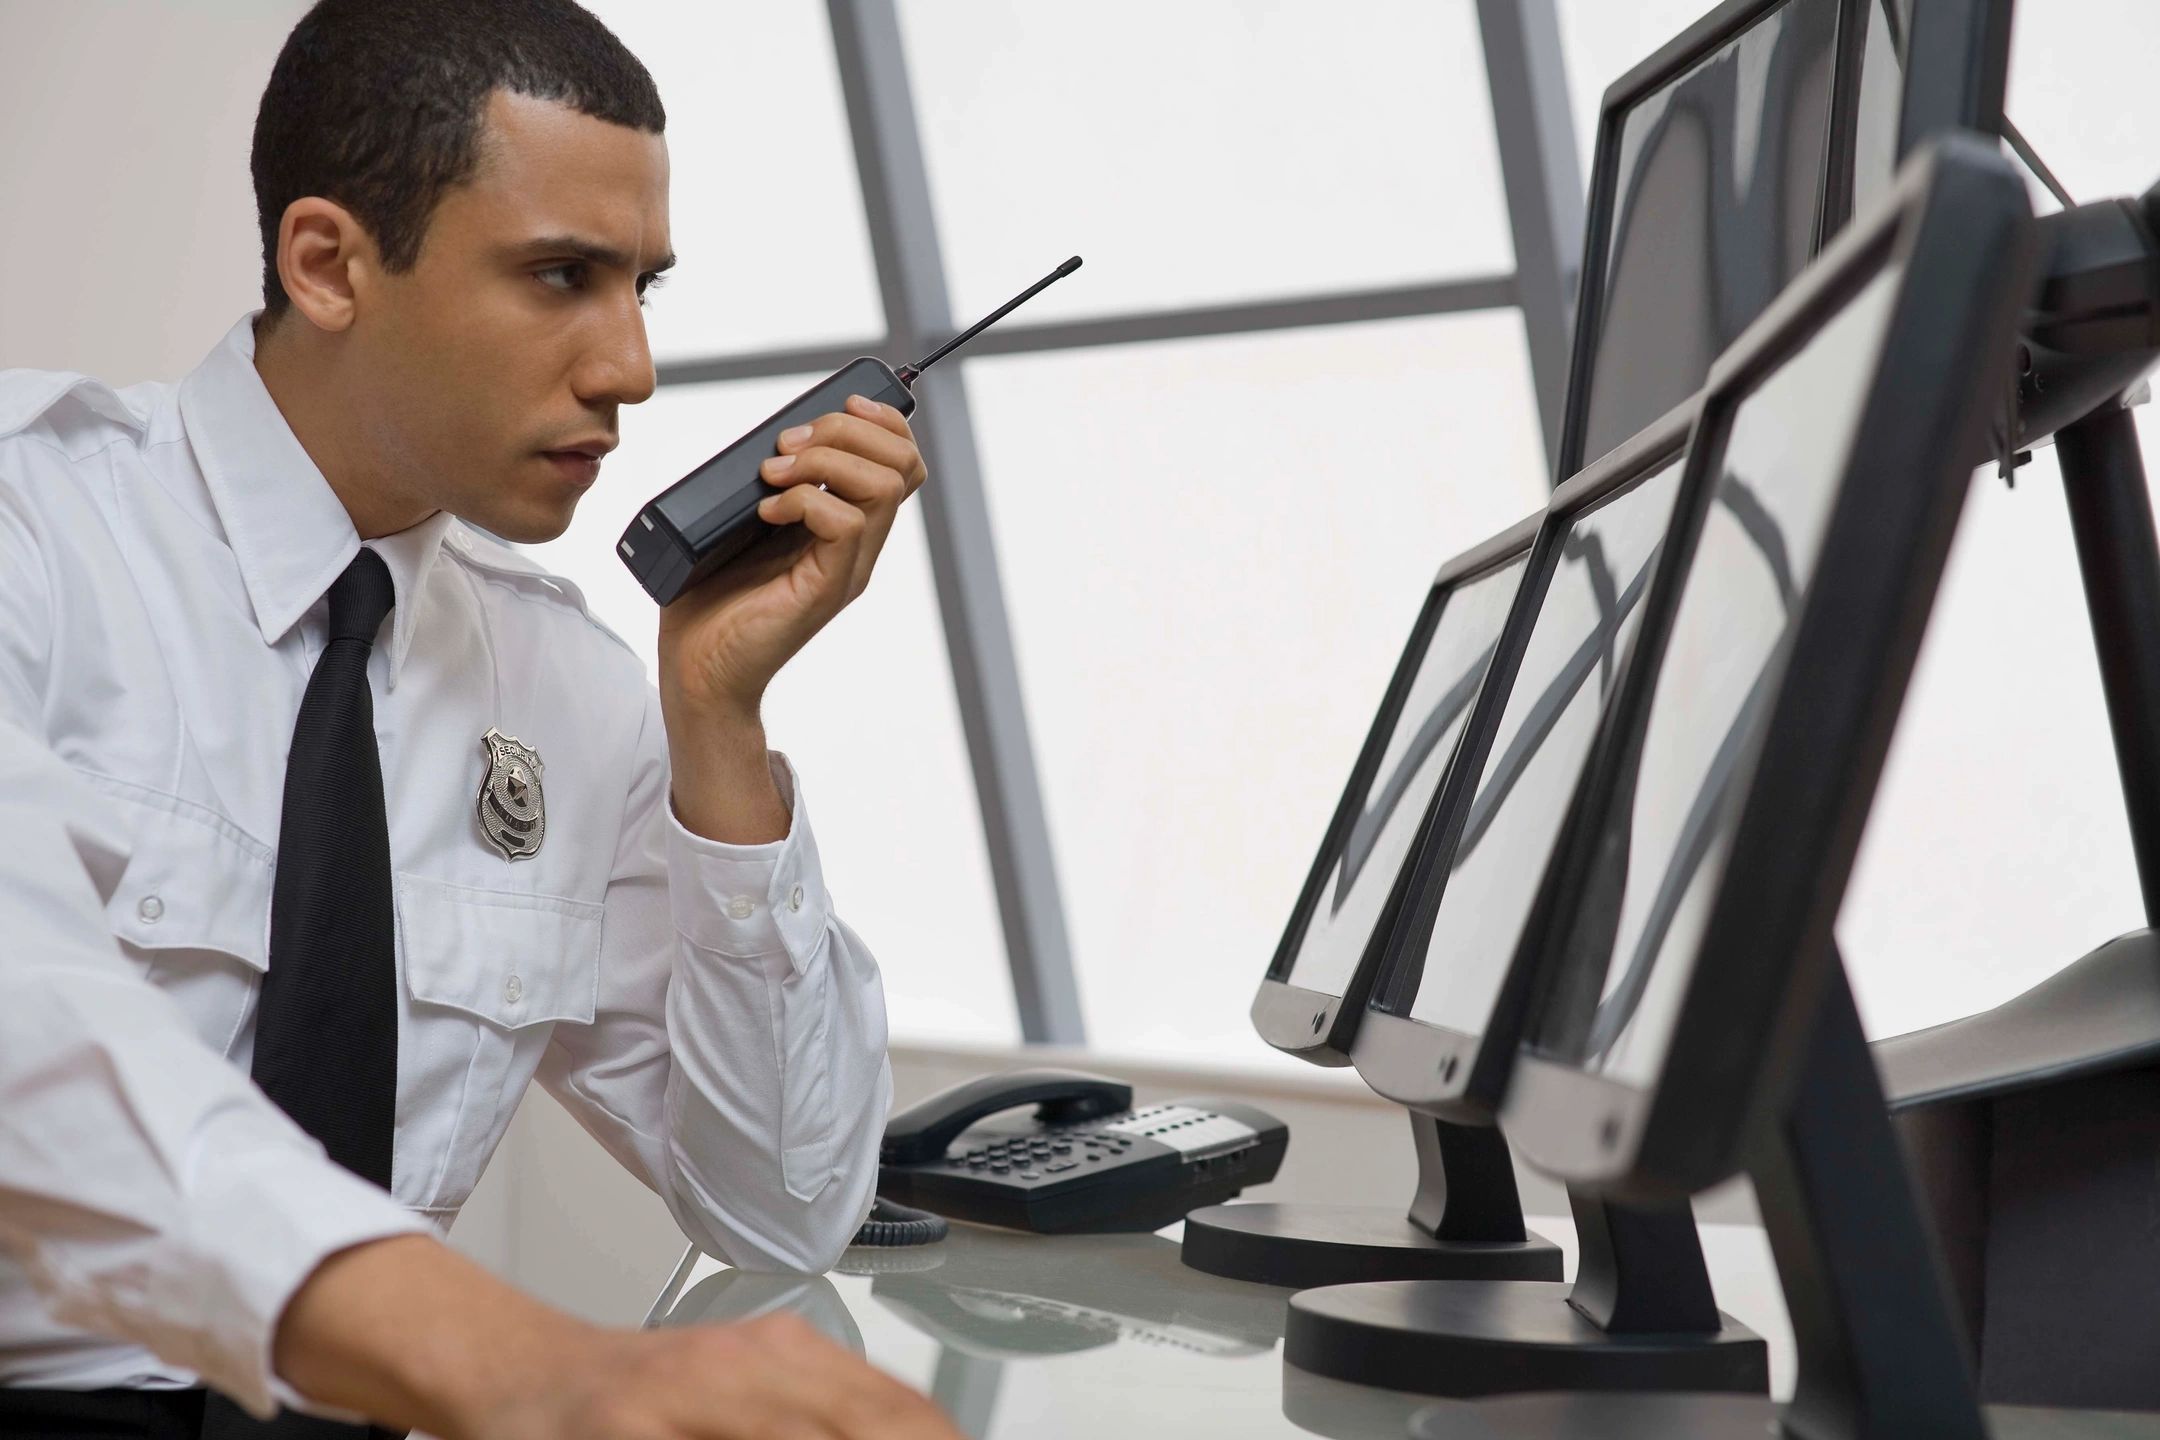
x: 1878, y: 1348
x: 1453, y: 1337
x: 1604, y: 1417
x: 1640, y: 1316
x: 1707, y: 1417
x: 1464, y: 1223
x: 1306, y: 1245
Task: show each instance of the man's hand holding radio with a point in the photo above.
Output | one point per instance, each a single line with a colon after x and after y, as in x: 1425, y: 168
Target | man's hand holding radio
x: 842, y: 477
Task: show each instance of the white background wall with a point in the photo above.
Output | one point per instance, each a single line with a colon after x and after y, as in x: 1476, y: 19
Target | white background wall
x: 1211, y: 549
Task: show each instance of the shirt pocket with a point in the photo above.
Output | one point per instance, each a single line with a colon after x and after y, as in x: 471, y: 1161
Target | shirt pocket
x: 192, y: 909
x: 489, y: 973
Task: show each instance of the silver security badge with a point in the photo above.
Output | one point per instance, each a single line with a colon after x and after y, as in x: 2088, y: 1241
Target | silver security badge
x: 512, y: 816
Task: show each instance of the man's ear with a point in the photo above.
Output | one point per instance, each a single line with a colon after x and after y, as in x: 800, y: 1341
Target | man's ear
x: 325, y: 258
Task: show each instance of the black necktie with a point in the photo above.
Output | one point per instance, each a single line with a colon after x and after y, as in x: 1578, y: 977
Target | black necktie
x: 326, y: 1023
x: 326, y: 1020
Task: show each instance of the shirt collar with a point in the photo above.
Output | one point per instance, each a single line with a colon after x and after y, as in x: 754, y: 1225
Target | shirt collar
x: 287, y: 528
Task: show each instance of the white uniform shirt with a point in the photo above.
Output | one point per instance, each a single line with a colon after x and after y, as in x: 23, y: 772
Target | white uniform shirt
x: 164, y: 554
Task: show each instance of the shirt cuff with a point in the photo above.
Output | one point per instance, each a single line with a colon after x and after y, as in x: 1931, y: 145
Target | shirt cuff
x: 294, y: 1213
x: 752, y: 900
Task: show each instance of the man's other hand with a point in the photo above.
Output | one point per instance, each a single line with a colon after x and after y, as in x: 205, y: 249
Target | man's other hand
x: 407, y: 1332
x: 775, y: 1375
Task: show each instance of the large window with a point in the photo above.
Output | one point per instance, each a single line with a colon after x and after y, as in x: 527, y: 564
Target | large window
x: 1209, y: 548
x: 1214, y: 550
x: 762, y: 198
x: 1207, y: 151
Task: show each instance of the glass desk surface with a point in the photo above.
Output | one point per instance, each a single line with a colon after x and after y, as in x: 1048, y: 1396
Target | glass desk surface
x: 1056, y: 1336
x: 1048, y: 1337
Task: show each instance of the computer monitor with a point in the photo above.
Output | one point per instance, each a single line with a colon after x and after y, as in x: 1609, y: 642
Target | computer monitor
x: 1313, y: 995
x: 1442, y: 1024
x: 1683, y: 933
x: 1443, y: 1021
x: 1465, y: 1216
x: 1724, y: 161
x: 1692, y: 1019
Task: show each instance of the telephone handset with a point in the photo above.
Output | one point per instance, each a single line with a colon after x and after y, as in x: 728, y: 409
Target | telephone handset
x: 1085, y: 1160
x: 924, y: 1131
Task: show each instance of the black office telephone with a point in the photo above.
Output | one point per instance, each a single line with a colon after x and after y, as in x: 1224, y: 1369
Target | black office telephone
x: 1085, y: 1161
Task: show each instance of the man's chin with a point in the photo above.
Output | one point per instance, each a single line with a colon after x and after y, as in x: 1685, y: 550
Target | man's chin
x: 524, y: 527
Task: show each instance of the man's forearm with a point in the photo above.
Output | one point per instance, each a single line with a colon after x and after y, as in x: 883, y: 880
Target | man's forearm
x: 408, y: 1332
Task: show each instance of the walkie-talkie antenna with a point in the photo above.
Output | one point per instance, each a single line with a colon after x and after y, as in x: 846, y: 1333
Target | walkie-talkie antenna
x: 907, y: 373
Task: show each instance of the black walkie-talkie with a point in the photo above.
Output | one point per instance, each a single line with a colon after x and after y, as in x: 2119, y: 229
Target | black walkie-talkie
x: 710, y: 516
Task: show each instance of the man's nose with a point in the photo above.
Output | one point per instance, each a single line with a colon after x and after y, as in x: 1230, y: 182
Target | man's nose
x: 618, y: 368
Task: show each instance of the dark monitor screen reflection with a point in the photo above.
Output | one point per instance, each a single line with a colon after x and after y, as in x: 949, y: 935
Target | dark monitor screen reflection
x: 1628, y: 958
x: 1882, y: 100
x: 1362, y: 868
x: 1589, y: 611
x: 1715, y: 195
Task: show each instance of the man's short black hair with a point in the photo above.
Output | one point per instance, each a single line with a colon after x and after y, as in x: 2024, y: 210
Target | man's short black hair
x: 378, y: 105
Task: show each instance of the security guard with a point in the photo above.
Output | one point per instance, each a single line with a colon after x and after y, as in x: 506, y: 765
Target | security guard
x: 332, y: 821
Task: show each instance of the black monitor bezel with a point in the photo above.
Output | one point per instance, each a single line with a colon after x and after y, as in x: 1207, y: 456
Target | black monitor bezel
x: 1312, y: 1024
x: 1439, y: 1070
x: 1967, y: 95
x: 1956, y: 220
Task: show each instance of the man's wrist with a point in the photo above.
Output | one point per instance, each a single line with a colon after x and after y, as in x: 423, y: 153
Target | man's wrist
x: 406, y: 1331
x: 722, y: 781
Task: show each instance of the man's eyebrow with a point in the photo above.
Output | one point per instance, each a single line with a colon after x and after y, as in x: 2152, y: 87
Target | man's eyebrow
x: 591, y: 251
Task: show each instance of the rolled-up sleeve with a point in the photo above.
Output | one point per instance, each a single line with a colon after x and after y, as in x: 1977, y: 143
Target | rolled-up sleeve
x: 737, y: 1060
x: 148, y: 1189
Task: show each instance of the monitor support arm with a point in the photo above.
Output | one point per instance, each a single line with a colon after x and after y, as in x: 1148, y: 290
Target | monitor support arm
x: 1881, y: 1354
x: 2094, y: 328
x: 2092, y: 335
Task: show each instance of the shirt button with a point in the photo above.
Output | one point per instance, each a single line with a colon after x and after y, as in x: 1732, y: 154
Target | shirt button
x: 740, y: 907
x: 150, y: 909
x: 794, y: 898
x: 513, y: 989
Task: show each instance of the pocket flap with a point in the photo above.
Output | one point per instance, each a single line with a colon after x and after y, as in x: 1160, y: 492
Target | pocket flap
x: 194, y: 880
x: 512, y: 959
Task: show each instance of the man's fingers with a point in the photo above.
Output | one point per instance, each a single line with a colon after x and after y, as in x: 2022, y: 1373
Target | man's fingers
x: 866, y: 482
x: 814, y: 1387
x: 860, y: 435
x: 857, y: 1401
x: 873, y: 491
x: 828, y: 517
x: 879, y: 413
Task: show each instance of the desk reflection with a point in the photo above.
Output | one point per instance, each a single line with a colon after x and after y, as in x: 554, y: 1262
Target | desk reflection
x: 1045, y: 1337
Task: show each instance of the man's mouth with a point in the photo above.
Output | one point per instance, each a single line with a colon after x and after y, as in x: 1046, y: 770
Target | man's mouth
x: 585, y: 449
x: 579, y: 465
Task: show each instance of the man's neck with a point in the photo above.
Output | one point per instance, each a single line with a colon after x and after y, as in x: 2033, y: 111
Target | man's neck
x: 299, y: 372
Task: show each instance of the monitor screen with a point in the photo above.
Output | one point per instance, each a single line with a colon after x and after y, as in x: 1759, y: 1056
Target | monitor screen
x: 1881, y: 107
x: 1625, y: 965
x: 1712, y: 182
x: 1361, y: 868
x: 1568, y: 669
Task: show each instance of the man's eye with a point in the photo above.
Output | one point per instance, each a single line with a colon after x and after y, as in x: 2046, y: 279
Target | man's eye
x: 574, y: 268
